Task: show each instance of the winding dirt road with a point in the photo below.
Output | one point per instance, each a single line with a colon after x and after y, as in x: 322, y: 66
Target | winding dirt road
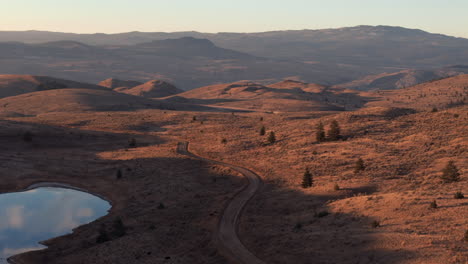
x: 226, y: 235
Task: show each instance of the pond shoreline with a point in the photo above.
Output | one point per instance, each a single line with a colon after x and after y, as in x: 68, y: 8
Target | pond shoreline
x: 16, y: 259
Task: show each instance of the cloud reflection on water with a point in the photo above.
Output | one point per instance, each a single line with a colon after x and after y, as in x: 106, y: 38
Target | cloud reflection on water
x: 27, y: 218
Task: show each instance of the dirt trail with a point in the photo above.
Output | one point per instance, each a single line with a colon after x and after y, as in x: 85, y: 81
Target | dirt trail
x: 226, y: 235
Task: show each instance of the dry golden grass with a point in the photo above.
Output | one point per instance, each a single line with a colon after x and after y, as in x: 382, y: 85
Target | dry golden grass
x: 379, y: 215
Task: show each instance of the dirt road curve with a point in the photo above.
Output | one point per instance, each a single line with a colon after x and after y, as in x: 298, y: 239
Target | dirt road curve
x: 226, y: 235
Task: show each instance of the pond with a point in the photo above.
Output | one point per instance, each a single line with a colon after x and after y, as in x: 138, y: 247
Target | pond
x: 29, y: 217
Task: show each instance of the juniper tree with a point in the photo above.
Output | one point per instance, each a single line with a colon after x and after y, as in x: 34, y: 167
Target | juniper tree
x: 334, y: 131
x: 450, y: 173
x: 320, y: 133
x: 262, y: 131
x: 307, y: 180
x: 271, y: 137
x: 359, y: 166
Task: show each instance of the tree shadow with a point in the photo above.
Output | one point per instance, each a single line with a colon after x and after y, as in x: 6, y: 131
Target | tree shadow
x: 282, y: 225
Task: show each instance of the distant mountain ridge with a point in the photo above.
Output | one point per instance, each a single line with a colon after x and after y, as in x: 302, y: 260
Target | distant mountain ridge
x: 193, y: 59
x: 403, y: 79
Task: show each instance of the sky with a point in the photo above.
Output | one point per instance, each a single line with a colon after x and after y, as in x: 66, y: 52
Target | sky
x: 114, y: 16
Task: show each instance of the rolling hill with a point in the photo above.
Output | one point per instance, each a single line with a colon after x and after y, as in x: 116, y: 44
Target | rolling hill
x: 84, y: 100
x: 112, y: 83
x: 402, y: 79
x: 151, y: 89
x: 444, y: 93
x: 11, y: 85
x: 285, y: 96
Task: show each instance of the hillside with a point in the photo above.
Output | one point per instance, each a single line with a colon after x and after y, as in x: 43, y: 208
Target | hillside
x: 82, y: 100
x: 402, y: 79
x: 112, y: 83
x: 151, y: 89
x: 285, y: 96
x: 11, y: 85
x: 442, y: 93
x: 170, y: 205
x: 190, y: 47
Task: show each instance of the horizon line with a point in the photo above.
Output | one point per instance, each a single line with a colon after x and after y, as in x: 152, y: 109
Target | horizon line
x: 226, y: 32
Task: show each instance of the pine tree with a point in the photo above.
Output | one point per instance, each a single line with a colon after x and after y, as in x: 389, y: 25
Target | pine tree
x: 307, y: 180
x: 271, y: 137
x: 450, y: 173
x: 334, y: 131
x: 320, y: 133
x: 359, y: 166
x: 262, y: 131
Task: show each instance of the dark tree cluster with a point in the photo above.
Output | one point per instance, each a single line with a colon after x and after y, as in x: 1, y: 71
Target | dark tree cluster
x: 333, y: 132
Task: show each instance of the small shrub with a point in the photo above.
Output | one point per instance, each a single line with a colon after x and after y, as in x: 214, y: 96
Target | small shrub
x: 359, y: 166
x: 450, y: 173
x: 322, y: 214
x: 456, y: 115
x: 271, y: 137
x: 262, y: 131
x: 298, y: 226
x: 119, y: 229
x: 434, y: 110
x: 103, y: 236
x: 307, y: 180
x: 458, y: 195
x: 194, y: 118
x: 27, y: 136
x: 118, y: 175
x: 336, y: 187
x: 223, y: 141
x: 375, y: 224
x: 132, y: 143
x: 261, y: 118
x: 433, y: 204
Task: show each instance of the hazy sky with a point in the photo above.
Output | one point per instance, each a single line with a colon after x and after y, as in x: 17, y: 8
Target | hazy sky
x: 111, y: 16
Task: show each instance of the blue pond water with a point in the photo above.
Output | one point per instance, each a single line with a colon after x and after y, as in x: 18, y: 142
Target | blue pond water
x: 29, y: 217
